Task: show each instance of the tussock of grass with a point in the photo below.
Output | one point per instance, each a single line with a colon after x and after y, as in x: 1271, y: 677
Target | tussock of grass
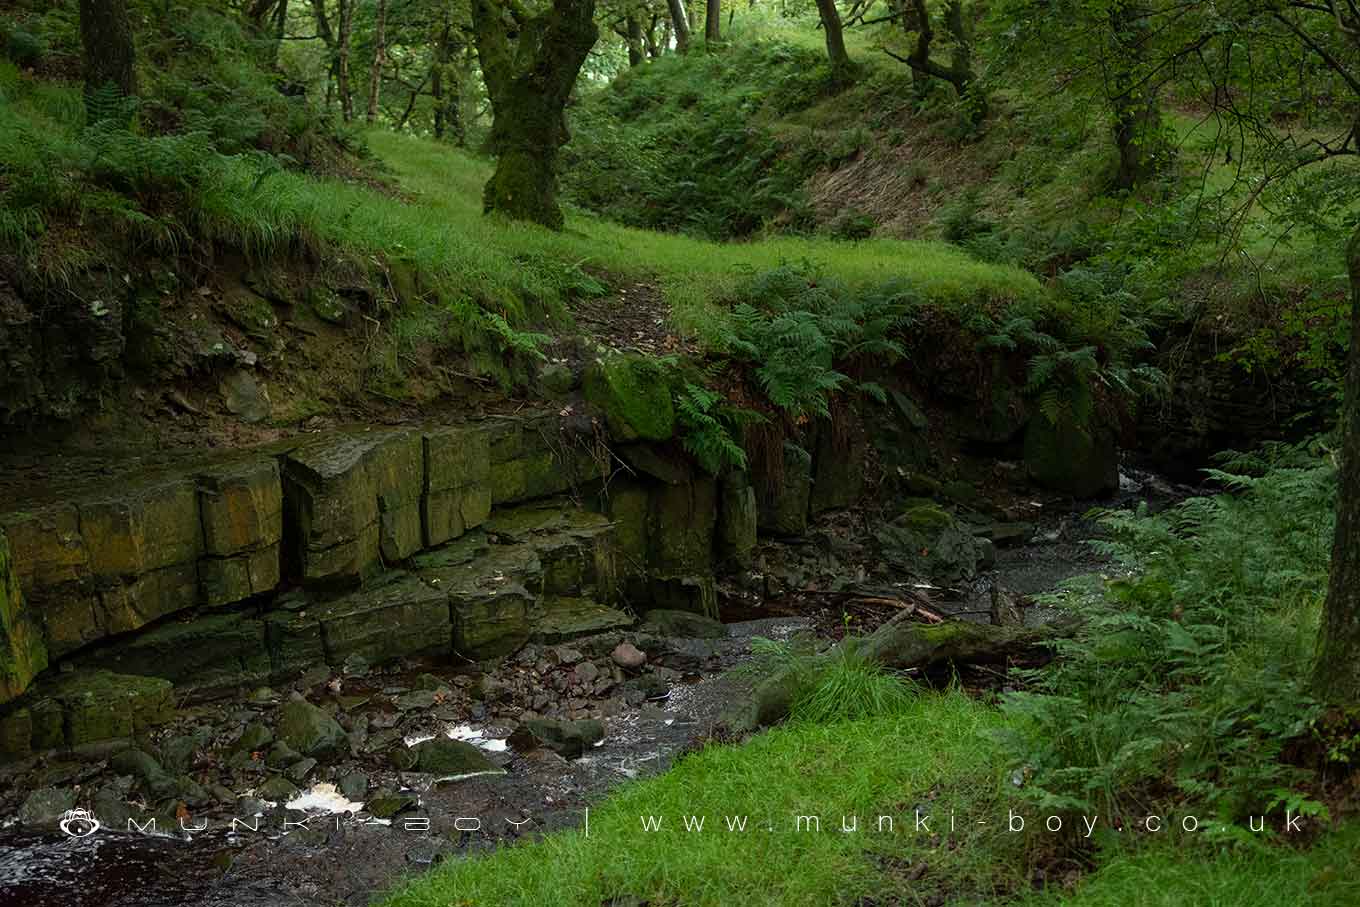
x: 867, y: 768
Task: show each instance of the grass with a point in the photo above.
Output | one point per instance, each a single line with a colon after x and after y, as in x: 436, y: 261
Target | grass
x: 693, y: 273
x: 1321, y: 876
x: 936, y: 744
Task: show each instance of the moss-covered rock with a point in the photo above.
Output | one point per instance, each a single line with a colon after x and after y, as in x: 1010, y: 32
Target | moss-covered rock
x: 926, y: 541
x: 23, y: 653
x: 1080, y: 461
x: 634, y: 394
x: 394, y: 617
x: 354, y: 499
x: 96, y: 705
x: 213, y: 652
x: 451, y: 758
x: 309, y: 729
x: 457, y: 483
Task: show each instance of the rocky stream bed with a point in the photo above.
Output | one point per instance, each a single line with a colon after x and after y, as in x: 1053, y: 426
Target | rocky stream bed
x: 328, y: 789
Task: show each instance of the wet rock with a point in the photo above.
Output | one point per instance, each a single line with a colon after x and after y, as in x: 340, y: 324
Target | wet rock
x: 214, y: 652
x: 457, y: 487
x: 244, y: 396
x: 310, y: 730
x: 89, y: 706
x: 402, y: 758
x: 262, y: 696
x: 353, y: 786
x: 567, y: 617
x: 784, y: 508
x: 926, y: 541
x: 277, y: 790
x: 46, y: 805
x: 350, y: 496
x: 738, y: 516
x: 666, y: 622
x: 386, y: 805
x: 627, y: 655
x: 451, y: 758
x: 566, y: 738
x: 418, y: 699
x: 586, y: 672
x: 254, y: 738
x: 396, y: 616
x: 281, y: 755
x: 300, y: 769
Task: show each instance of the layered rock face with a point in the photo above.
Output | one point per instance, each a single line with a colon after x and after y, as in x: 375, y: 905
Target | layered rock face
x: 462, y: 542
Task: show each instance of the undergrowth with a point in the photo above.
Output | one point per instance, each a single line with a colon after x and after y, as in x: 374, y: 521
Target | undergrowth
x: 1187, y: 687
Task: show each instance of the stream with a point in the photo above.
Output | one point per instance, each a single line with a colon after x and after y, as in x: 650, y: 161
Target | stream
x: 320, y: 849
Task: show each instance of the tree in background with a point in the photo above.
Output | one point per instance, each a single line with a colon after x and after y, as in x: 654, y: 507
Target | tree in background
x: 679, y: 22
x: 379, y: 61
x: 841, y: 67
x: 713, y: 21
x: 530, y: 61
x: 110, y: 56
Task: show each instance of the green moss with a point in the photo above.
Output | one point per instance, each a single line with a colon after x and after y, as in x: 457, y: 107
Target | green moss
x: 924, y: 515
x: 635, y: 395
x: 22, y: 651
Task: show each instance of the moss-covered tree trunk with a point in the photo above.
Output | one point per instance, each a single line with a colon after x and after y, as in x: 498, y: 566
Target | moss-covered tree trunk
x: 346, y: 16
x: 530, y: 63
x: 633, y: 30
x: 1336, y: 678
x: 379, y: 61
x: 1137, y: 119
x: 446, y: 86
x: 110, y: 55
x: 835, y: 38
x: 680, y: 24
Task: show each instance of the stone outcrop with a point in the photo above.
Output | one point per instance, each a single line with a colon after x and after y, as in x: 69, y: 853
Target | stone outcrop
x: 23, y: 653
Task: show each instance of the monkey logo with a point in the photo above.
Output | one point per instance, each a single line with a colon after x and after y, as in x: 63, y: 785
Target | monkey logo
x: 78, y: 823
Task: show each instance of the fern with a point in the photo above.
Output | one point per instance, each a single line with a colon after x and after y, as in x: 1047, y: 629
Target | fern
x: 708, y: 425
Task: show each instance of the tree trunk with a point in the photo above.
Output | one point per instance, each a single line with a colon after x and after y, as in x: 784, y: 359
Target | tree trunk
x: 110, y: 55
x: 1336, y: 678
x: 713, y: 21
x: 1137, y: 121
x: 634, y: 32
x: 835, y: 39
x: 529, y: 77
x: 446, y: 87
x: 654, y: 47
x: 342, y: 59
x: 680, y: 24
x: 379, y: 60
x: 959, y: 73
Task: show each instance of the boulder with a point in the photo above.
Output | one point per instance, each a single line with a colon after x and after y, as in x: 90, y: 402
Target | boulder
x: 1082, y: 461
x: 626, y: 655
x: 93, y: 705
x: 309, y: 729
x: 926, y: 541
x: 46, y: 806
x: 568, y: 739
x: 685, y: 624
x: 451, y: 758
